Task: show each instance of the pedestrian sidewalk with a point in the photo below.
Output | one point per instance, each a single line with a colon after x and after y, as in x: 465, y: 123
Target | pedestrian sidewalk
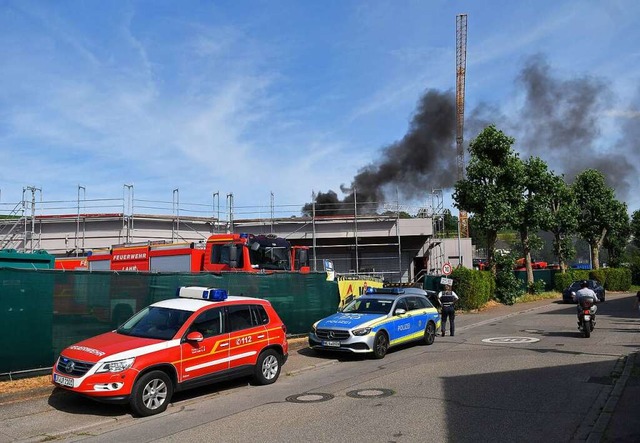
x: 620, y: 419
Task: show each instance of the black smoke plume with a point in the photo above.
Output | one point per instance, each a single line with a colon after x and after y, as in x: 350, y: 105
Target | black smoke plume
x: 412, y: 166
x: 559, y: 121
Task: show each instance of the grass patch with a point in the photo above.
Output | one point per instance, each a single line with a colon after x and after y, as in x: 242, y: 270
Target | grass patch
x: 526, y: 298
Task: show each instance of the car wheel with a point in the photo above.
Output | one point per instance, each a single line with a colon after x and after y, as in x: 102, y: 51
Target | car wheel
x: 380, y: 345
x: 151, y: 394
x: 267, y: 367
x: 429, y: 334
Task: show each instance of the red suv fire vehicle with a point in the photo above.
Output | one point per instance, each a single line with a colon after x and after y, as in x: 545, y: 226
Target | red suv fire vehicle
x: 200, y: 337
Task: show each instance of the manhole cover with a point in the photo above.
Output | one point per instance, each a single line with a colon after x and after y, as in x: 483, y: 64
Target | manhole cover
x: 510, y: 340
x: 310, y: 397
x: 370, y: 393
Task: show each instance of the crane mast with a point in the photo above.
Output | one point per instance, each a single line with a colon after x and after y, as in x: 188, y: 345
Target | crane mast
x: 461, y: 67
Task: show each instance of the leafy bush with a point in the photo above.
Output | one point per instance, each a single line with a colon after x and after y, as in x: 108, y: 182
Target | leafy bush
x: 562, y: 281
x: 617, y: 279
x: 537, y: 287
x: 508, y: 287
x: 634, y: 267
x: 612, y: 279
x: 600, y: 275
x: 473, y: 287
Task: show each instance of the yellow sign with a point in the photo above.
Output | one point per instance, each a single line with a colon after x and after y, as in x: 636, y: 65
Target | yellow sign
x: 350, y: 289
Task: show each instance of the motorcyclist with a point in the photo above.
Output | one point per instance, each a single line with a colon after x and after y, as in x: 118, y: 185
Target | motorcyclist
x: 584, y: 292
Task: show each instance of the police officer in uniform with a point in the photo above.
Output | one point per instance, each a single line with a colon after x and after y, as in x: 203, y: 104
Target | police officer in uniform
x: 448, y: 299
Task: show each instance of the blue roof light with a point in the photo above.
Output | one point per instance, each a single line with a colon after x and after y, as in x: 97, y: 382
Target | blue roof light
x: 215, y: 294
x: 394, y: 291
x: 200, y: 292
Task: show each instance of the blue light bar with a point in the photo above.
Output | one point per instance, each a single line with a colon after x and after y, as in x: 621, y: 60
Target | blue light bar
x: 215, y: 294
x: 202, y: 293
x: 394, y: 291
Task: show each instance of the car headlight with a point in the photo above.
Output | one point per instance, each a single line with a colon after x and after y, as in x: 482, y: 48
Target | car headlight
x: 361, y: 331
x: 116, y: 366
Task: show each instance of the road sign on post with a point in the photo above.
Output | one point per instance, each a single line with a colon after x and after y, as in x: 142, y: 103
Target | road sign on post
x: 445, y: 281
x: 447, y: 268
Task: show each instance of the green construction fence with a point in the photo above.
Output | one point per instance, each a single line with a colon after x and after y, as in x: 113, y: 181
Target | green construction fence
x: 42, y: 311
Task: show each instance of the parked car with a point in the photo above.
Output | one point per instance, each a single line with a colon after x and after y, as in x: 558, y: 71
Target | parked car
x: 594, y: 285
x: 202, y: 336
x: 378, y: 320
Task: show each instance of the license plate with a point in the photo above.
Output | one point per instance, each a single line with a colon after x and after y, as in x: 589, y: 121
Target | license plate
x: 331, y: 343
x: 64, y: 381
x: 587, y: 318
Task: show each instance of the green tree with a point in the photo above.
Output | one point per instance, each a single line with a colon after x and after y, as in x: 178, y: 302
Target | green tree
x: 478, y: 236
x: 536, y: 184
x: 508, y: 287
x: 562, y: 221
x: 450, y: 223
x: 490, y: 190
x: 597, y: 210
x: 635, y: 227
x: 618, y: 235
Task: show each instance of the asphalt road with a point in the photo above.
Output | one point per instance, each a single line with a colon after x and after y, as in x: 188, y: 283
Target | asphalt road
x: 518, y: 373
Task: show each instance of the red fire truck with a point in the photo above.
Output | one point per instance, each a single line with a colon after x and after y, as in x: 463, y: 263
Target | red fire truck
x: 222, y: 252
x: 71, y: 263
x: 254, y: 253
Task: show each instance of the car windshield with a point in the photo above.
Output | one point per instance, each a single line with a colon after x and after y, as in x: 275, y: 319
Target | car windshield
x: 155, y: 322
x: 274, y: 258
x: 369, y: 306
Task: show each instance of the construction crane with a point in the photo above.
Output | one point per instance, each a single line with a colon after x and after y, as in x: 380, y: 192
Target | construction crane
x: 461, y: 67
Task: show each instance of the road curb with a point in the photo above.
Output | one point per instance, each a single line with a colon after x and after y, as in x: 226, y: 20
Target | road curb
x: 600, y: 426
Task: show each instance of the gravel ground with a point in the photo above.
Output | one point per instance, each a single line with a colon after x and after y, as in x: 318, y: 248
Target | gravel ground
x: 23, y: 384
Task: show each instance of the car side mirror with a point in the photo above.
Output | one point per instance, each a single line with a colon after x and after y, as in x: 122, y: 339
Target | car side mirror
x: 400, y: 311
x: 195, y: 336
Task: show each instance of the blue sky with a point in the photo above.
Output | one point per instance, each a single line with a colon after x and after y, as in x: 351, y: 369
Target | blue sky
x: 295, y: 97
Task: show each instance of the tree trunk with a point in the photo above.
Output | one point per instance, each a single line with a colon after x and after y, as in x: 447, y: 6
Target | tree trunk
x: 595, y: 250
x: 595, y: 256
x: 558, y: 252
x: 524, y: 238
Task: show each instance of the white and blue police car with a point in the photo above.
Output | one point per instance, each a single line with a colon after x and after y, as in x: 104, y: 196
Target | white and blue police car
x: 377, y: 320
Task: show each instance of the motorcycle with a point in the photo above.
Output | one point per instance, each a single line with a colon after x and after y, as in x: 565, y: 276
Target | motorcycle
x: 586, y: 316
